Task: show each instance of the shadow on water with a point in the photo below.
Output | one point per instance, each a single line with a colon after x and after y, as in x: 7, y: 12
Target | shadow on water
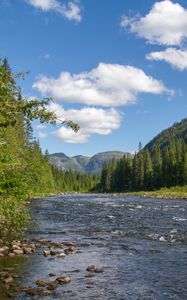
x: 15, y: 263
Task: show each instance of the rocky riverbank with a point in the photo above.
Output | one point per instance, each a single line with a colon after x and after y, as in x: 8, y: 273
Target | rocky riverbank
x: 9, y: 278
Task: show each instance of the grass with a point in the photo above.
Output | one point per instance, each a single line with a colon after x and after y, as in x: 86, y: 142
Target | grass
x: 176, y: 192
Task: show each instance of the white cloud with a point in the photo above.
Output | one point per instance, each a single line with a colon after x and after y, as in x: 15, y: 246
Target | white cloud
x: 42, y: 134
x: 106, y: 85
x: 71, y: 11
x: 165, y: 24
x: 91, y: 121
x: 175, y: 57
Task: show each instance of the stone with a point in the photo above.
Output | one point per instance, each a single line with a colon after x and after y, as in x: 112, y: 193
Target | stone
x: 4, y: 250
x: 91, y: 268
x: 57, y: 244
x: 8, y: 280
x: 18, y: 252
x: 46, y: 253
x: 90, y: 275
x: 71, y: 248
x: 43, y: 241
x: 63, y: 279
x: 52, y: 274
x: 66, y: 251
x: 61, y: 254
x: 41, y: 282
x: 52, y: 252
x: 68, y: 243
x: 11, y: 254
x: 52, y: 285
x: 34, y: 291
x: 28, y: 250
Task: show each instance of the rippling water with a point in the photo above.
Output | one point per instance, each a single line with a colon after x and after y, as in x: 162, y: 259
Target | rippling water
x: 140, y: 243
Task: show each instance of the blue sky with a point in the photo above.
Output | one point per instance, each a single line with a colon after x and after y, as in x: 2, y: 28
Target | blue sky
x: 118, y: 68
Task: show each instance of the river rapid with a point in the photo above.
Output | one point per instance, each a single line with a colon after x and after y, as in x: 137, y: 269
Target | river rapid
x: 141, y: 245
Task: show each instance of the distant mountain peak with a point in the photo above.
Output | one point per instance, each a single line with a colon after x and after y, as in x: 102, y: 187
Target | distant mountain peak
x: 81, y: 163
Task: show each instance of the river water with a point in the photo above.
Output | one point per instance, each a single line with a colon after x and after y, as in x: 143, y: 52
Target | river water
x: 141, y: 244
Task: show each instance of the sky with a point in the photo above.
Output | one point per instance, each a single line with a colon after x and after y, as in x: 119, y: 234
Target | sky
x: 118, y: 68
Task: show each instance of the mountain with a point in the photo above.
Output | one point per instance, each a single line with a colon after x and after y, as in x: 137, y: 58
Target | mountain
x: 82, y: 164
x: 96, y: 162
x: 63, y: 162
x: 177, y: 131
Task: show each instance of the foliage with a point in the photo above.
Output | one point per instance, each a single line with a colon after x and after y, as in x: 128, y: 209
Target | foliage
x: 24, y: 171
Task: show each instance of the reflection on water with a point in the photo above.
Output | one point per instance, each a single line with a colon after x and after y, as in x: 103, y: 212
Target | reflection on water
x: 140, y: 244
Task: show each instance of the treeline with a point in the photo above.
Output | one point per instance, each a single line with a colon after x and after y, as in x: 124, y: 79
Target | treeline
x: 69, y: 181
x: 147, y: 171
x: 24, y: 170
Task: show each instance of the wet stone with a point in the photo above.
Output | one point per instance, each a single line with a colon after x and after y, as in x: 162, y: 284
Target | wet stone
x: 28, y: 250
x: 34, y: 291
x: 52, y: 285
x: 61, y: 254
x: 94, y: 269
x: 46, y: 253
x: 68, y: 243
x: 63, y: 279
x: 11, y: 254
x: 71, y: 248
x: 8, y: 280
x: 57, y: 244
x: 18, y: 252
x: 4, y: 250
x: 52, y: 274
x: 52, y: 252
x: 90, y: 275
x: 41, y: 282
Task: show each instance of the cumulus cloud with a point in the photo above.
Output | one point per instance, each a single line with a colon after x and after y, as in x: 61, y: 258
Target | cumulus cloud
x: 165, y: 24
x: 106, y: 85
x: 91, y: 120
x: 175, y: 57
x: 71, y: 11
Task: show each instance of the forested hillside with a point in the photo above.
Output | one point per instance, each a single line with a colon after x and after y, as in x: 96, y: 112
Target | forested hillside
x: 162, y: 163
x: 24, y: 170
x: 176, y: 132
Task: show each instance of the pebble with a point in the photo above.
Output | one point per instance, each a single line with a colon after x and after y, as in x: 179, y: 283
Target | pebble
x: 71, y: 248
x: 41, y: 282
x: 68, y: 243
x: 52, y: 285
x: 18, y: 252
x: 46, y: 253
x: 61, y: 254
x: 63, y: 279
x: 8, y: 280
x: 52, y: 274
x: 93, y: 269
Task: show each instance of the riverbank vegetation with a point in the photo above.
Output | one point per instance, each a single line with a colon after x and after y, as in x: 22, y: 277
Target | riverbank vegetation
x: 24, y: 170
x: 175, y: 192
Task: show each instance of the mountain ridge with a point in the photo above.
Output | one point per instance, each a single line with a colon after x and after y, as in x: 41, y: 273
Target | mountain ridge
x: 84, y: 164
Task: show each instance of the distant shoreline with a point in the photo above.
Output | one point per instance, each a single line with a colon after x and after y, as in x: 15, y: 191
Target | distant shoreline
x: 164, y: 193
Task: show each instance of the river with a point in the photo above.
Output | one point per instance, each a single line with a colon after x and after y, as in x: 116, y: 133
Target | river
x: 141, y: 245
